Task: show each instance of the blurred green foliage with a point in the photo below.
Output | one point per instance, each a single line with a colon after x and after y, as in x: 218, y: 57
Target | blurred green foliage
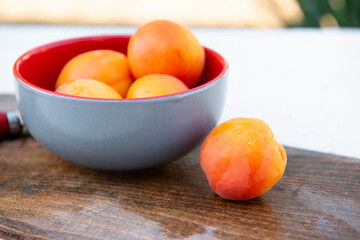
x: 346, y: 12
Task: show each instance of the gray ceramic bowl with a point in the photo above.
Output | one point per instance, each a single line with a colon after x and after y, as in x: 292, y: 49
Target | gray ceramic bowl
x: 114, y: 134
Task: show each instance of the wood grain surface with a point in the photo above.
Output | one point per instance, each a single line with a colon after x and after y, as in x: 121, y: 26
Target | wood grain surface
x: 45, y: 197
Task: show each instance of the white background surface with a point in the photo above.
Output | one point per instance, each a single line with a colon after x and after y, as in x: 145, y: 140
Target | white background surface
x: 305, y: 83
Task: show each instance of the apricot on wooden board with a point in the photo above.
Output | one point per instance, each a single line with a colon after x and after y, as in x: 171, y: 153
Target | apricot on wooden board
x: 241, y: 159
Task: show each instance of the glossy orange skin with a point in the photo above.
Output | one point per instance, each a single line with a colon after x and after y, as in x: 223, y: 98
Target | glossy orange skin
x: 241, y: 159
x: 107, y: 66
x: 154, y: 85
x: 166, y: 47
x: 88, y: 88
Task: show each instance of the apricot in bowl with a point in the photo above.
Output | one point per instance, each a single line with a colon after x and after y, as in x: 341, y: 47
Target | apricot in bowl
x: 88, y: 88
x: 153, y: 85
x: 108, y: 66
x: 166, y: 47
x: 114, y: 134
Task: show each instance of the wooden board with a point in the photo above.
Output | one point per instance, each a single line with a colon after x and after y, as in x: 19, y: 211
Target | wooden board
x: 45, y: 197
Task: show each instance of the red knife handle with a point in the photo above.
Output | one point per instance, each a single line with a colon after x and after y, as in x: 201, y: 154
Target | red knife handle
x: 4, y: 125
x: 11, y: 124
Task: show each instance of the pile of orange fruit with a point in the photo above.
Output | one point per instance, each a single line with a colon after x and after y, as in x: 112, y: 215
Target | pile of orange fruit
x: 240, y: 158
x: 163, y: 57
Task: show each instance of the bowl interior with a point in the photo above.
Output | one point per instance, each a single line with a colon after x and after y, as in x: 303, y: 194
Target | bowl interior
x: 40, y: 67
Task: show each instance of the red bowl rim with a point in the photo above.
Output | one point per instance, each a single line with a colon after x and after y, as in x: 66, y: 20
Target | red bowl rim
x: 28, y: 54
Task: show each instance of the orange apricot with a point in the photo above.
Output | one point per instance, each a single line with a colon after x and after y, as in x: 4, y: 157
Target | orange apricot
x: 108, y: 66
x: 88, y: 88
x: 154, y: 85
x: 166, y: 47
x: 241, y: 159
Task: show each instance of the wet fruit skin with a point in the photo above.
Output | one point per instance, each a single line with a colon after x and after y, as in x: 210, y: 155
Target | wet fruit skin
x: 241, y: 159
x: 88, y: 88
x: 108, y: 66
x: 166, y: 47
x: 154, y: 85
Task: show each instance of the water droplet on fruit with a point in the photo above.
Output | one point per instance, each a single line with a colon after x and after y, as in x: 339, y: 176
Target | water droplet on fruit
x: 238, y: 131
x: 252, y: 139
x: 219, y: 138
x: 252, y: 143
